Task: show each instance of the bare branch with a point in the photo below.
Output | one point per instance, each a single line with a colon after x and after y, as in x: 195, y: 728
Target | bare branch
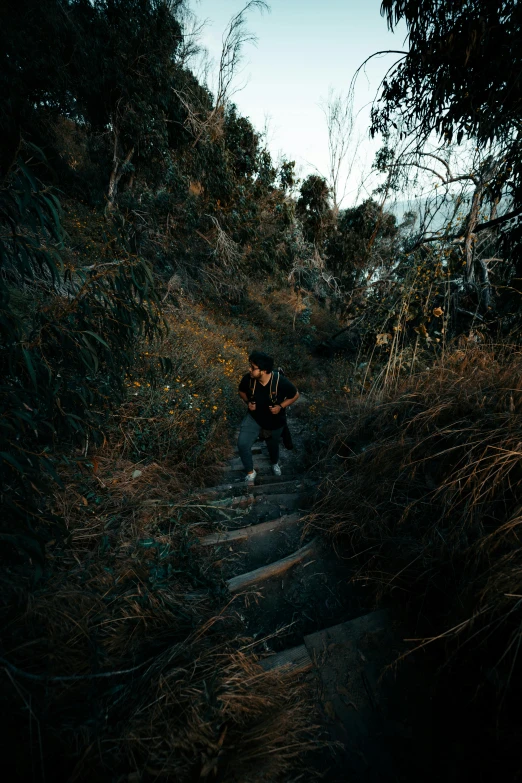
x: 236, y: 35
x: 340, y: 123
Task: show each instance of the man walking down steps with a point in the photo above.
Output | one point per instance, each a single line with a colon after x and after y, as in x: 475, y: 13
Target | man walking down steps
x: 267, y: 394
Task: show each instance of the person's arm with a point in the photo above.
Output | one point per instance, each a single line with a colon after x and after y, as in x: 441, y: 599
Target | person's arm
x: 244, y: 397
x: 285, y: 404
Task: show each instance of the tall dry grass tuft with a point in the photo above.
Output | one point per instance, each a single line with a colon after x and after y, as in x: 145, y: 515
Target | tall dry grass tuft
x: 425, y: 493
x: 127, y: 662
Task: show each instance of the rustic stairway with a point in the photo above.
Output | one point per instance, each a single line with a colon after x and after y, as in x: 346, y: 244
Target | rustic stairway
x: 297, y: 597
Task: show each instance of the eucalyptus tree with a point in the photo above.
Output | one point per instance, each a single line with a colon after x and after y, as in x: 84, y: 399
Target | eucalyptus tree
x: 458, y: 82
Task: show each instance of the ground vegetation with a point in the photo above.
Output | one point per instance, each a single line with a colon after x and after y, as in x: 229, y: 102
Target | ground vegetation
x: 422, y: 487
x: 148, y: 241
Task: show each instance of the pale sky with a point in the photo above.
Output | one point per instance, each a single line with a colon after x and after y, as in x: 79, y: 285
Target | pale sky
x: 304, y: 47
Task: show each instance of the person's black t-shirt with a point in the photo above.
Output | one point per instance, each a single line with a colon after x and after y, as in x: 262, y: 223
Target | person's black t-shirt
x: 261, y: 396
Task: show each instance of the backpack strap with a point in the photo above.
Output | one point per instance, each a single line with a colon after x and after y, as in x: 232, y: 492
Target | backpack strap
x: 273, y: 396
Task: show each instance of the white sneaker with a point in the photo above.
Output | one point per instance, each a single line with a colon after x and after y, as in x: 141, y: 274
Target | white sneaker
x: 250, y: 477
x: 276, y: 470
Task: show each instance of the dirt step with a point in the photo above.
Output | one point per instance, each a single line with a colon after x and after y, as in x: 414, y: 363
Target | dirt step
x: 359, y: 695
x: 249, y: 510
x: 287, y: 476
x: 268, y: 507
x: 232, y: 491
x: 235, y: 463
x: 233, y: 476
x: 255, y: 546
x: 279, y: 567
x: 312, y: 595
x: 264, y: 476
x: 258, y: 449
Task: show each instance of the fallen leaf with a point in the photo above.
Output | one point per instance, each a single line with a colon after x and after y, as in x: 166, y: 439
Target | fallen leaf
x: 437, y: 312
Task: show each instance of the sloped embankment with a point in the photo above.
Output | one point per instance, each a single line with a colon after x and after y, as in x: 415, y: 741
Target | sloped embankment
x: 426, y: 499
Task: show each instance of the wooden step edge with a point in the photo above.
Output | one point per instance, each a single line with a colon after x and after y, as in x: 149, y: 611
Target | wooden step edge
x: 258, y: 457
x: 263, y: 468
x: 273, y: 525
x: 224, y: 537
x: 378, y: 619
x: 290, y: 478
x: 278, y: 499
x: 232, y: 501
x: 296, y: 659
x: 238, y: 502
x: 278, y: 487
x: 271, y: 479
x: 275, y: 488
x: 273, y: 569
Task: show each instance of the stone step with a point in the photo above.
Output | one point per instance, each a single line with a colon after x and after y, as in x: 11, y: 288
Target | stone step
x: 251, y: 531
x: 278, y: 568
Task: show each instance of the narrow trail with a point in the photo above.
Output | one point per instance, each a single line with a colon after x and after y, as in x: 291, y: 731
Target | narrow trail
x: 299, y: 599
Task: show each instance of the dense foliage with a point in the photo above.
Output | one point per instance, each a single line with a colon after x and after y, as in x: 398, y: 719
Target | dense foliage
x: 455, y: 81
x: 113, y: 183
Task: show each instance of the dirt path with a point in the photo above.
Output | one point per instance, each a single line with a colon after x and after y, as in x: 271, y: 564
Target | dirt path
x: 299, y: 599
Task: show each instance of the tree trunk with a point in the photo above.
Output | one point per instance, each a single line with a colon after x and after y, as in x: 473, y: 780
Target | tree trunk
x: 485, y: 288
x: 470, y: 235
x: 118, y: 169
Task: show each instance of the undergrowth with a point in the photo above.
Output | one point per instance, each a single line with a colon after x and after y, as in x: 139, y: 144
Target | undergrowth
x: 123, y: 656
x: 423, y: 494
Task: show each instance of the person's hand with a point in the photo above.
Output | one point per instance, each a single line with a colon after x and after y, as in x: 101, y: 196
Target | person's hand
x: 275, y: 409
x: 251, y: 406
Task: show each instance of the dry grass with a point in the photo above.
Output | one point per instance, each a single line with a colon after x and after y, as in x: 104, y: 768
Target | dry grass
x: 127, y: 661
x: 425, y: 495
x: 129, y: 657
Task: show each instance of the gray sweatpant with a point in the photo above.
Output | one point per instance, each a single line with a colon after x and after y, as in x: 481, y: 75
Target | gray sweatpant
x: 248, y: 434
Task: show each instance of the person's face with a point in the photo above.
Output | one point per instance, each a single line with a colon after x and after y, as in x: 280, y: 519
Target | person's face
x: 255, y: 372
